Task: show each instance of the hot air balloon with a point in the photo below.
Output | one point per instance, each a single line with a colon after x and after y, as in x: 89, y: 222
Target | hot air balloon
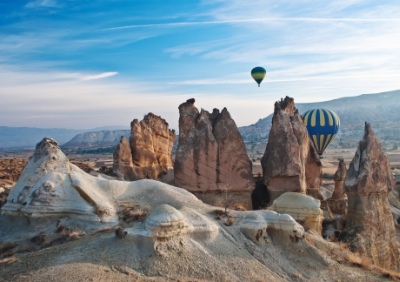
x: 258, y: 74
x: 322, y: 126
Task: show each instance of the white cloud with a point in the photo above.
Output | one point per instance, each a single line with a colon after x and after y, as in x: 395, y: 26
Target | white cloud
x: 99, y: 76
x: 47, y: 99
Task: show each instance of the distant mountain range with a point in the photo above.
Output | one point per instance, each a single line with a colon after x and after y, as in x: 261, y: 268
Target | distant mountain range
x: 104, y: 138
x: 381, y: 110
x: 28, y: 137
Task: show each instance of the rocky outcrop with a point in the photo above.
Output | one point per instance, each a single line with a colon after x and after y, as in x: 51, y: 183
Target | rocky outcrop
x: 211, y: 159
x: 338, y: 201
x: 148, y: 154
x: 369, y: 227
x: 290, y: 162
x: 51, y: 186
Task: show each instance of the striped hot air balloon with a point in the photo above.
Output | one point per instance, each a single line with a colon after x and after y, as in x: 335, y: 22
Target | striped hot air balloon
x: 322, y: 126
x: 258, y: 74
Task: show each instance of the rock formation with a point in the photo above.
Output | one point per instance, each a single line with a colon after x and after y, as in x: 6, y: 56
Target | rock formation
x: 290, y: 162
x: 369, y: 227
x: 51, y: 186
x: 148, y: 154
x: 338, y: 201
x: 304, y: 209
x: 211, y: 159
x: 176, y: 235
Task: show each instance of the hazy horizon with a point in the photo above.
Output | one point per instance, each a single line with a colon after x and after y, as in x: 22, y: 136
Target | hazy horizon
x: 86, y: 64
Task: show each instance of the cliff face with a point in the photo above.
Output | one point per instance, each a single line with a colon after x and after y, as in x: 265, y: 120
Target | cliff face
x: 369, y: 226
x: 148, y: 154
x: 211, y: 157
x: 290, y: 162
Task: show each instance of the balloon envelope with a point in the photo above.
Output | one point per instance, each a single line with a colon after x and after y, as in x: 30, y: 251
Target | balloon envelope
x: 322, y: 126
x: 258, y: 74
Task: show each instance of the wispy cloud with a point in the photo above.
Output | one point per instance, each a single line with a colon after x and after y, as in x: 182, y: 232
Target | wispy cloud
x: 99, y: 76
x: 259, y: 20
x: 43, y: 3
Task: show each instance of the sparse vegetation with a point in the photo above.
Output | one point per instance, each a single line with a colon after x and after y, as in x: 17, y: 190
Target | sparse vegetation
x: 38, y: 239
x: 131, y: 214
x: 328, y: 176
x: 96, y: 151
x: 362, y: 261
x: 7, y: 247
x: 391, y: 274
x: 239, y: 207
x: 105, y: 229
x: 102, y: 211
x: 298, y: 275
x: 69, y: 233
x: 229, y: 220
x: 9, y: 260
x: 309, y: 240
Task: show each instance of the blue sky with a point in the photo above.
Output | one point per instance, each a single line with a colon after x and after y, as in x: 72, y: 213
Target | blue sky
x: 83, y: 64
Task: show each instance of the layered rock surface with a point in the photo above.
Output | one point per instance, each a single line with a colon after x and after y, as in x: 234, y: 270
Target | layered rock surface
x: 290, y: 162
x: 338, y: 201
x: 369, y: 227
x: 211, y: 158
x: 302, y: 208
x: 51, y: 185
x: 148, y: 154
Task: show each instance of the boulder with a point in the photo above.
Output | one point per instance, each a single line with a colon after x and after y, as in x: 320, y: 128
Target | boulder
x: 338, y: 202
x: 148, y: 154
x: 304, y: 209
x: 369, y: 228
x: 290, y: 162
x: 211, y: 159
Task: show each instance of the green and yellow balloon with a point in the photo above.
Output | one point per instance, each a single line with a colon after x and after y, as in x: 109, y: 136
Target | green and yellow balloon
x: 258, y: 74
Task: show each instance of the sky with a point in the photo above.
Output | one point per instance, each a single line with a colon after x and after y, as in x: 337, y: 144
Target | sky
x: 83, y: 64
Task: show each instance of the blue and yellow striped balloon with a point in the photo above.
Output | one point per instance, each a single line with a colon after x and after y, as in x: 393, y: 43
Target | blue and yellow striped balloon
x: 322, y: 126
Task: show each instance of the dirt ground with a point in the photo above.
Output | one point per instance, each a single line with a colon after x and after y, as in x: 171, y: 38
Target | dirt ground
x: 103, y: 257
